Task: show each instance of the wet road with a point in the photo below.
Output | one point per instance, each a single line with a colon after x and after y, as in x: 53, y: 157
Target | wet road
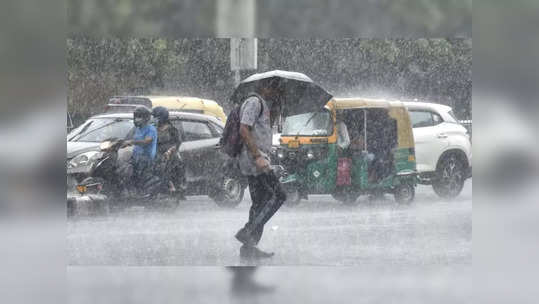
x: 428, y: 233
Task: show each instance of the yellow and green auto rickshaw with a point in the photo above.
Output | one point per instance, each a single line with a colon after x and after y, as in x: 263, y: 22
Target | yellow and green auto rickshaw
x: 354, y: 146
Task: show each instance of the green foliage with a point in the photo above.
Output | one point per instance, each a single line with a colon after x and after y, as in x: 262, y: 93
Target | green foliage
x: 438, y: 70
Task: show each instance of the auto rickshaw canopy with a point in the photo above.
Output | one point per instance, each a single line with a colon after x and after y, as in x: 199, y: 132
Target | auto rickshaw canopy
x: 396, y: 110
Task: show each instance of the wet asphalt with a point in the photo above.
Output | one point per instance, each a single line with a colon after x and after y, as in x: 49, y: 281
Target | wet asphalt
x: 421, y: 253
x: 321, y: 231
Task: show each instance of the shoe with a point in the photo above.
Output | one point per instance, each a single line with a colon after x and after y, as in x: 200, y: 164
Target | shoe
x: 251, y: 252
x: 245, y: 237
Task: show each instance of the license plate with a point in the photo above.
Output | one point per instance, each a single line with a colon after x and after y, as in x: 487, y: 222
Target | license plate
x: 293, y: 144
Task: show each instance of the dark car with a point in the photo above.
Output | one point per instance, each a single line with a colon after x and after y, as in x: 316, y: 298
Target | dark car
x: 204, y: 162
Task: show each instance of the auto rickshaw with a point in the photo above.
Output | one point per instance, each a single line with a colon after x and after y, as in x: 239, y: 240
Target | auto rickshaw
x: 378, y: 159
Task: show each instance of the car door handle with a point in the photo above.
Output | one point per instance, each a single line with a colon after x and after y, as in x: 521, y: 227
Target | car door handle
x: 442, y: 135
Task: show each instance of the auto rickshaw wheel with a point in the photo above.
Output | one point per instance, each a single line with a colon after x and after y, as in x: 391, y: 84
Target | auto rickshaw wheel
x: 404, y: 193
x: 450, y: 177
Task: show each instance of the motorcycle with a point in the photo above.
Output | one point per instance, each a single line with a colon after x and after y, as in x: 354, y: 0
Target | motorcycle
x: 108, y: 179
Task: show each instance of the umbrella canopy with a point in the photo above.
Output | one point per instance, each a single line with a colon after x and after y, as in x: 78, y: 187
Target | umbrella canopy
x: 299, y: 93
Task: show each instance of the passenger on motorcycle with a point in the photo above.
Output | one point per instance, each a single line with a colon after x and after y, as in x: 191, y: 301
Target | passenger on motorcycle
x: 145, y: 145
x: 168, y: 164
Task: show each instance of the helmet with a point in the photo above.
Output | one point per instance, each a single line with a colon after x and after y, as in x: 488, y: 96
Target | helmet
x: 141, y: 116
x: 160, y: 113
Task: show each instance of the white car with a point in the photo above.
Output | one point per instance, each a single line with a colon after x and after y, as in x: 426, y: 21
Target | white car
x: 442, y: 147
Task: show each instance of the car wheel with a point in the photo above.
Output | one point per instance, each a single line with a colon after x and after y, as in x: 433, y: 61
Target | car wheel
x: 231, y: 193
x: 450, y: 177
x: 404, y: 193
x: 293, y: 198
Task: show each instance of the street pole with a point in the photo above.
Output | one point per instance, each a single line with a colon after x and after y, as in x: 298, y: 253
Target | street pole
x: 237, y: 78
x: 243, y: 55
x: 235, y: 20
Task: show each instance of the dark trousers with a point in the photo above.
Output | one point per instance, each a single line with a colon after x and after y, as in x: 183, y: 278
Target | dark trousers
x: 170, y: 170
x: 142, y: 178
x: 267, y: 197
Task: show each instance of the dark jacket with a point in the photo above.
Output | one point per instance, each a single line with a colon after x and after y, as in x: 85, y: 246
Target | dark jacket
x: 167, y: 138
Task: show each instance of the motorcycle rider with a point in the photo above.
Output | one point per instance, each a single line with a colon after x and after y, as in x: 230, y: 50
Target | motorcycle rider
x: 145, y: 145
x: 168, y: 163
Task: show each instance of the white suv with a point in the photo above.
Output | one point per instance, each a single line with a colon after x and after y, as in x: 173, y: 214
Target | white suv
x: 442, y: 147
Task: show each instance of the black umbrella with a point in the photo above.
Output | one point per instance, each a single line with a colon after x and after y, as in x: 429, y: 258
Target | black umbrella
x: 299, y: 93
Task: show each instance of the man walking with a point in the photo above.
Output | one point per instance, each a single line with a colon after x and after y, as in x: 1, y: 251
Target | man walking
x: 257, y: 114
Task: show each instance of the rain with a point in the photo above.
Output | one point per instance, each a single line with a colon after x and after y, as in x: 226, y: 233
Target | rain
x: 338, y: 247
x: 413, y: 228
x: 425, y: 237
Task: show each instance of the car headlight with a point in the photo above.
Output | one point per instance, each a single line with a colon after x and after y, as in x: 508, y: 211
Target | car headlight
x: 280, y: 154
x: 310, y: 154
x: 84, y: 159
x: 105, y: 145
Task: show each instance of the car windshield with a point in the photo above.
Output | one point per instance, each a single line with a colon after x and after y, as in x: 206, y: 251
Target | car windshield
x: 308, y: 124
x: 100, y: 129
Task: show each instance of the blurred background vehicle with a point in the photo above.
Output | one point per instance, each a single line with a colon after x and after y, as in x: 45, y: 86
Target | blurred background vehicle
x: 172, y: 103
x: 508, y: 160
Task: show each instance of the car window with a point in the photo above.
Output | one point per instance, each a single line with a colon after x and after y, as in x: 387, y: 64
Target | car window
x: 178, y: 125
x: 97, y: 130
x: 217, y: 128
x: 78, y: 129
x: 436, y: 119
x: 421, y: 119
x: 195, y: 130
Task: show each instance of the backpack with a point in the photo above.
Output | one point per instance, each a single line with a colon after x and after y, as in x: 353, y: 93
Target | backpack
x: 231, y: 142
